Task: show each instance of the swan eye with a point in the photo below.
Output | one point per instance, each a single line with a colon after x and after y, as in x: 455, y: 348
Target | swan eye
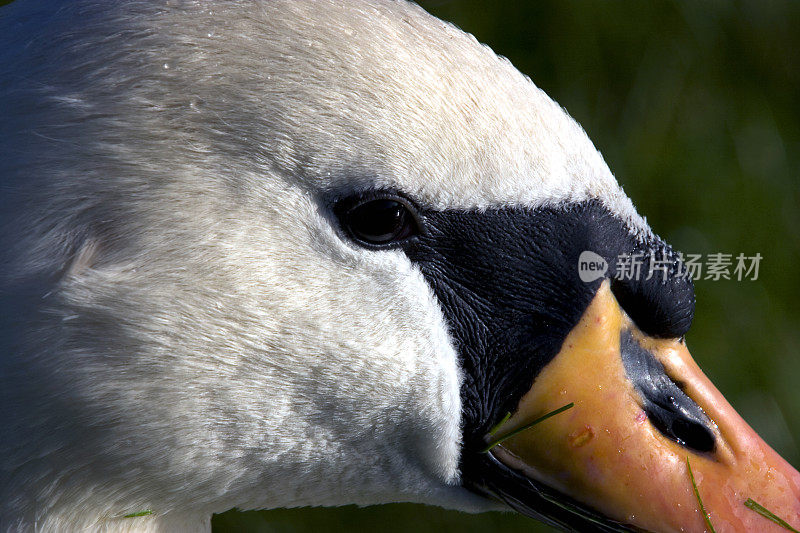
x: 380, y: 221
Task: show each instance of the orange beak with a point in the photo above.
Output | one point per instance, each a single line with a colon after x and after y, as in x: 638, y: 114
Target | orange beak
x: 614, y: 452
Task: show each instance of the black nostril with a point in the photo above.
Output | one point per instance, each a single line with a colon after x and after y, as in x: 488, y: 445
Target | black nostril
x: 670, y: 410
x: 692, y: 434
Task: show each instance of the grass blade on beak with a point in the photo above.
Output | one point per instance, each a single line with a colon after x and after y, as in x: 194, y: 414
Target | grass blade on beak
x: 497, y: 426
x: 699, y: 499
x: 527, y: 426
x: 766, y: 513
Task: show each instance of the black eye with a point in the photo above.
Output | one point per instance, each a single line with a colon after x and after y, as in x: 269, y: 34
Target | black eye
x: 380, y: 221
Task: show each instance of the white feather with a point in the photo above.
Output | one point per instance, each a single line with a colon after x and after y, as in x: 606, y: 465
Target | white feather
x: 184, y: 328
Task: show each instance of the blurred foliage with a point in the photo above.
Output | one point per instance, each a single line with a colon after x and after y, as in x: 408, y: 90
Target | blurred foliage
x: 695, y: 107
x: 394, y: 518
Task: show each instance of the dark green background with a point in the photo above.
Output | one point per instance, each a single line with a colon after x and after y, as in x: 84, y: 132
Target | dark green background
x: 695, y: 106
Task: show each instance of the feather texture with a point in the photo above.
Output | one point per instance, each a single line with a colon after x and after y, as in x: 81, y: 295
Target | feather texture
x: 184, y: 329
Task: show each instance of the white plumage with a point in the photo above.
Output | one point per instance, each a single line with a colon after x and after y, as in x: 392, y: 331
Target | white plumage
x: 184, y: 328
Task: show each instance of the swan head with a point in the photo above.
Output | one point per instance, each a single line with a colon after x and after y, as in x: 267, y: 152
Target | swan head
x: 288, y: 253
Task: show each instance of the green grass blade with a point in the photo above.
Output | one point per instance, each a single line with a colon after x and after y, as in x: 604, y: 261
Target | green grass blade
x: 497, y: 426
x: 699, y: 499
x: 766, y: 513
x: 140, y: 513
x: 528, y: 426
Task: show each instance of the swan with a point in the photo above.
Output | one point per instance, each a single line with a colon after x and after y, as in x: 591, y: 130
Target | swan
x: 262, y: 254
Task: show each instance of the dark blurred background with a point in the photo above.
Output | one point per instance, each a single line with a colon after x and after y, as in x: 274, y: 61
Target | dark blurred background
x: 696, y: 108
